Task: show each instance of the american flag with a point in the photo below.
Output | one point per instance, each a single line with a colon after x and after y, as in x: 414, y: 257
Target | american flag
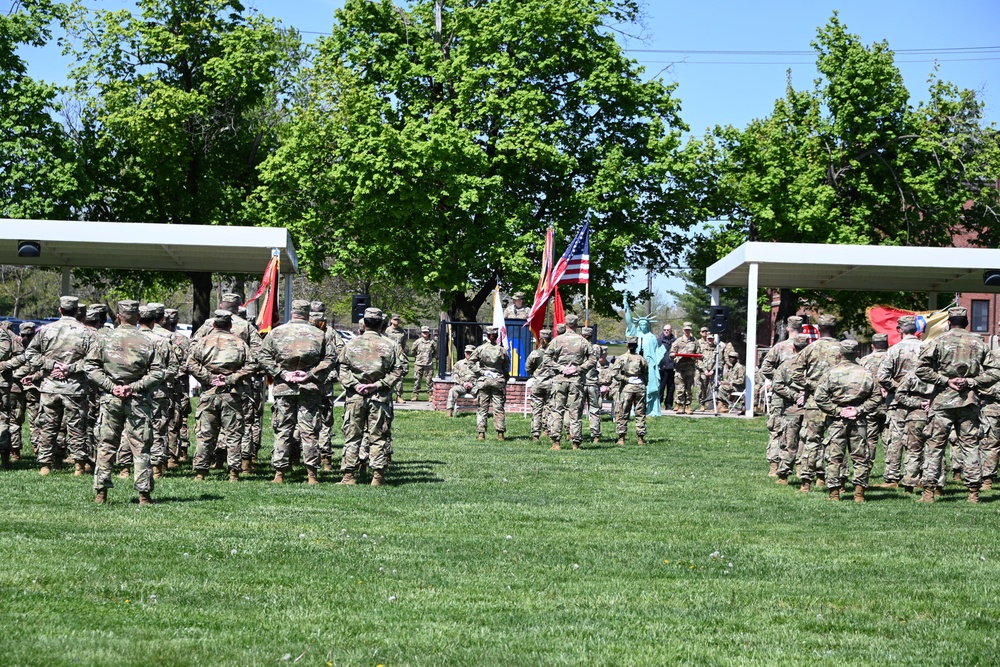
x: 812, y: 331
x: 574, y: 266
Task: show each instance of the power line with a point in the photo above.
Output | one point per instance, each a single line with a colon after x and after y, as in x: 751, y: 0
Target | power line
x: 798, y: 62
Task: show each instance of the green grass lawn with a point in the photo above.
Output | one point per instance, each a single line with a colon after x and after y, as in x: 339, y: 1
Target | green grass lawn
x: 680, y: 552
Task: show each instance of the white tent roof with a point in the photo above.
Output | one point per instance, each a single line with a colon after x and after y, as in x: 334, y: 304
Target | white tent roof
x: 856, y: 267
x: 135, y: 245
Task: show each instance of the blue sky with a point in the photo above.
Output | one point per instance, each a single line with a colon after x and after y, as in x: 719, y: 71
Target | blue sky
x: 734, y: 88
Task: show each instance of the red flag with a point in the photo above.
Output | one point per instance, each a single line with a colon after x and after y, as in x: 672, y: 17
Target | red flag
x: 267, y: 318
x: 536, y: 317
x: 558, y: 314
x: 929, y: 323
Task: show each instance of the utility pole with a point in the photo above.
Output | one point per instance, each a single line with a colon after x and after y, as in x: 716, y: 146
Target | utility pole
x: 649, y: 288
x: 438, y: 7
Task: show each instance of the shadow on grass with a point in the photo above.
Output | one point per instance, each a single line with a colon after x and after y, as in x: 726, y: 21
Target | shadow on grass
x: 201, y: 498
x: 414, y: 472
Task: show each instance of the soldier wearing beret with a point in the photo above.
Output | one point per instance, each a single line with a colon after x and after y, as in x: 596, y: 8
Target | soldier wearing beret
x: 631, y: 372
x: 808, y: 369
x: 424, y: 352
x: 490, y: 364
x: 398, y: 335
x: 57, y: 354
x: 951, y: 362
x: 570, y: 357
x: 516, y: 310
x: 778, y: 354
x: 221, y: 362
x: 541, y: 385
x: 126, y: 364
x: 899, y: 362
x: 297, y: 358
x: 847, y: 394
x: 464, y: 379
x: 371, y: 366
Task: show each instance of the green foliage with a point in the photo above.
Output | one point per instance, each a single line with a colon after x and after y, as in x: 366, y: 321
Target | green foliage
x: 441, y: 159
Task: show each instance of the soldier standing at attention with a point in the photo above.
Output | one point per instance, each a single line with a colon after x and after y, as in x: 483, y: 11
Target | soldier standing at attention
x: 162, y: 394
x: 369, y: 370
x: 951, y: 362
x: 398, y: 335
x: 463, y: 377
x: 779, y: 353
x: 424, y: 351
x: 221, y: 362
x: 899, y: 362
x: 516, y: 310
x: 541, y: 385
x: 125, y: 364
x: 877, y: 419
x: 686, y: 369
x: 592, y: 388
x: 297, y: 358
x: 178, y: 438
x: 491, y: 365
x: 6, y: 358
x: 24, y: 396
x: 848, y: 393
x: 570, y: 356
x: 58, y: 353
x: 787, y: 412
x: 631, y: 372
x: 706, y: 370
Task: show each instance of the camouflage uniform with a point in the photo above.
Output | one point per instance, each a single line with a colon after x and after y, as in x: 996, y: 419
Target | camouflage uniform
x: 541, y: 385
x: 162, y: 396
x: 17, y: 370
x: 398, y: 336
x: 63, y: 401
x: 220, y: 355
x: 778, y: 354
x: 809, y: 367
x: 6, y: 351
x: 569, y: 349
x: 490, y: 364
x: 461, y: 374
x: 592, y: 390
x: 787, y: 412
x: 847, y: 385
x: 631, y: 372
x: 912, y: 398
x: 290, y: 347
x: 424, y: 351
x: 706, y: 371
x: 317, y: 318
x: 178, y: 437
x: 369, y: 359
x: 734, y: 379
x: 513, y: 312
x: 685, y: 369
x: 877, y: 426
x: 97, y: 315
x: 955, y: 354
x: 900, y: 361
x: 125, y: 358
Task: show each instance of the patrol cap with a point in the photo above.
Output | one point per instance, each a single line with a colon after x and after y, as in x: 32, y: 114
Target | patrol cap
x: 519, y: 295
x: 170, y: 314
x: 800, y: 340
x: 425, y: 329
x: 849, y: 347
x: 300, y: 308
x: 147, y: 312
x: 316, y: 316
x: 734, y: 353
x: 957, y: 311
x: 68, y: 302
x: 826, y: 320
x: 317, y: 307
x: 704, y: 329
x: 687, y: 326
x: 96, y: 309
x: 26, y: 328
x: 906, y: 319
x: 223, y: 318
x: 794, y: 322
x: 560, y: 329
x: 586, y: 331
x: 128, y: 307
x: 492, y: 331
x: 159, y: 308
x: 231, y: 297
x: 470, y: 348
x: 631, y: 340
x: 572, y: 320
x: 545, y: 333
x: 395, y: 316
x: 373, y: 314
x: 880, y: 339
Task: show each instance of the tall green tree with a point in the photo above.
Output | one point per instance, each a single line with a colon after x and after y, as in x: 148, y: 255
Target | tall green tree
x: 441, y: 156
x: 179, y: 105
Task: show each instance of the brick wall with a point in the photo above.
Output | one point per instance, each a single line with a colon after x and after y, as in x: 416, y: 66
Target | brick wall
x: 517, y: 395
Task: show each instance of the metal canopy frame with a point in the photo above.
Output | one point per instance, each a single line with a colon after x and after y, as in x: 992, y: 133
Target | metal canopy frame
x: 845, y: 267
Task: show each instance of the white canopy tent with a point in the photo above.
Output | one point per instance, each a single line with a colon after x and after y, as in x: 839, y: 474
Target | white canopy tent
x: 144, y: 246
x: 845, y: 267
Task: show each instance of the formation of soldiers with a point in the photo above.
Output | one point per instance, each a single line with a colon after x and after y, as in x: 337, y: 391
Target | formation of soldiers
x: 829, y: 409
x: 103, y: 398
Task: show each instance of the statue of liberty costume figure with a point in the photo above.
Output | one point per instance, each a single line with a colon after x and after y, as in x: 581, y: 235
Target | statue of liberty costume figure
x: 650, y: 348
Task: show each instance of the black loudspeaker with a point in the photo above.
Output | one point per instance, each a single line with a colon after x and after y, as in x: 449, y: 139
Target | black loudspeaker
x: 359, y: 302
x: 718, y: 319
x: 991, y: 277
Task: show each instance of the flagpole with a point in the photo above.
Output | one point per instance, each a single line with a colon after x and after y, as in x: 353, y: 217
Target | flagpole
x: 586, y: 303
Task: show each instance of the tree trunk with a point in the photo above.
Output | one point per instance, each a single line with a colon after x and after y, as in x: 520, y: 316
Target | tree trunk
x: 201, y: 288
x: 463, y: 309
x: 788, y: 303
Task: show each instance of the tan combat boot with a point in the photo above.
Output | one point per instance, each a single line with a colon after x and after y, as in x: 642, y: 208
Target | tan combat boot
x: 234, y: 475
x: 247, y: 466
x: 987, y: 484
x: 859, y: 494
x: 973, y: 495
x: 348, y: 479
x: 500, y: 436
x: 806, y: 486
x: 834, y: 494
x: 938, y: 492
x: 642, y: 440
x: 313, y: 479
x: 621, y: 440
x: 171, y: 464
x: 927, y: 496
x: 378, y: 478
x: 279, y: 477
x: 596, y: 440
x: 688, y: 410
x: 535, y: 438
x: 124, y: 473
x: 907, y: 489
x: 15, y: 456
x: 327, y: 464
x: 45, y: 471
x: 102, y: 497
x: 199, y: 476
x: 78, y: 469
x: 145, y: 498
x: 555, y: 446
x: 480, y: 436
x: 889, y: 485
x: 576, y: 445
x: 782, y: 479
x: 773, y: 469
x: 820, y: 483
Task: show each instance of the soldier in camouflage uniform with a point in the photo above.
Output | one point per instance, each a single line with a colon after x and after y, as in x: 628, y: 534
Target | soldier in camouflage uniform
x: 592, y: 388
x: 779, y: 353
x: 913, y: 398
x: 786, y: 410
x: 178, y: 438
x: 6, y: 357
x: 464, y: 378
x: 298, y: 360
x: 899, y: 362
x: 398, y: 335
x: 541, y: 385
x: 160, y: 396
x: 877, y: 426
x: 424, y: 352
x: 125, y: 364
x: 490, y: 364
x: 631, y: 372
x: 734, y: 379
x: 516, y: 310
x: 96, y: 317
x: 369, y: 370
x: 57, y: 353
x: 221, y: 362
x: 848, y: 393
x: 317, y: 318
x: 952, y: 362
x: 685, y: 369
x: 24, y: 396
x: 705, y: 379
x: 570, y: 356
x: 988, y: 390
x: 809, y: 367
